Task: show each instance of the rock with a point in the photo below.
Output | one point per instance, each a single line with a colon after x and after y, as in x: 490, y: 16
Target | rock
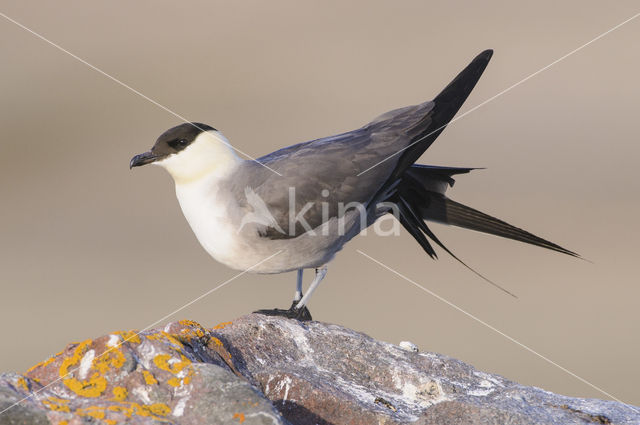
x: 179, y: 375
x: 270, y: 370
x: 319, y: 373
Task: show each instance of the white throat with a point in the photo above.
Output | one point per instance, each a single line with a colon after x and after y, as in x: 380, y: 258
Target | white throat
x: 209, y: 155
x: 197, y: 171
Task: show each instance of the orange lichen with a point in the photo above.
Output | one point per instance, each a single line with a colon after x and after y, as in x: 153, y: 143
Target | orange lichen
x: 149, y: 378
x: 22, y: 383
x: 155, y: 411
x: 97, y: 412
x: 191, y: 323
x: 129, y: 336
x: 162, y: 335
x: 239, y: 417
x: 57, y: 404
x: 194, y: 330
x: 112, y: 358
x: 159, y: 409
x: 126, y: 410
x: 222, y: 325
x: 63, y: 423
x: 218, y: 347
x: 216, y: 341
x: 119, y: 393
x: 92, y: 387
x: 162, y: 362
x: 176, y: 382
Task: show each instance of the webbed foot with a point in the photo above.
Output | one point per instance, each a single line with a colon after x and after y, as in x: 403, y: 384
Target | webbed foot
x: 301, y: 314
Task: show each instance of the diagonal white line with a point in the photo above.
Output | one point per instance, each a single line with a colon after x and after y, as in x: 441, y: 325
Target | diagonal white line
x: 146, y: 328
x: 128, y: 87
x: 482, y: 322
x: 506, y: 90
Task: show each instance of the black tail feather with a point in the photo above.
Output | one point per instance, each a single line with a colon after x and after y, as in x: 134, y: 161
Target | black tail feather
x: 415, y: 225
x: 444, y: 210
x: 417, y: 203
x: 411, y: 224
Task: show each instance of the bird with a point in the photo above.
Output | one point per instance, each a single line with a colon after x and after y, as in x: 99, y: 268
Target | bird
x: 295, y: 208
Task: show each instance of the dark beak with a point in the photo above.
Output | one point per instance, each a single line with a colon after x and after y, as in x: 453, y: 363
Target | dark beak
x: 143, y: 159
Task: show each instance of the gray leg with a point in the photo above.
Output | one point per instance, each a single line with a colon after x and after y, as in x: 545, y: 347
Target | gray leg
x: 320, y: 273
x: 298, y: 293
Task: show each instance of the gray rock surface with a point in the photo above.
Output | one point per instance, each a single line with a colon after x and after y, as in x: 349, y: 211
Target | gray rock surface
x: 268, y: 370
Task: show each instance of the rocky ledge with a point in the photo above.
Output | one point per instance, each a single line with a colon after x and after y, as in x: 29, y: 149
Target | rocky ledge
x: 269, y: 370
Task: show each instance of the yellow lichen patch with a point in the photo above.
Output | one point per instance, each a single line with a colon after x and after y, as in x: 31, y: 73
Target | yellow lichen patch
x: 194, y: 330
x: 126, y: 410
x: 75, y: 358
x: 222, y: 325
x: 162, y: 335
x: 92, y: 387
x: 112, y: 358
x: 57, y: 404
x: 22, y: 383
x: 149, y: 378
x: 217, y: 342
x: 131, y: 409
x: 97, y: 412
x: 218, y: 346
x: 239, y: 417
x: 176, y: 382
x: 159, y: 409
x: 119, y: 393
x: 63, y: 423
x: 162, y: 361
x: 173, y: 340
x: 129, y: 336
x: 193, y: 323
x: 110, y: 421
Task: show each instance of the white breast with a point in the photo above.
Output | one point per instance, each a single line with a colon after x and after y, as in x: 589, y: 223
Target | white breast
x: 206, y: 211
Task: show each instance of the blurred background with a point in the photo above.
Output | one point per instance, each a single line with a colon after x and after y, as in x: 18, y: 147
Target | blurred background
x: 88, y: 247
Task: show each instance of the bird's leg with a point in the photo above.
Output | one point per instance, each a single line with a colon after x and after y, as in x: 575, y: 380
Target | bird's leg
x: 320, y: 273
x: 293, y: 312
x: 298, y: 294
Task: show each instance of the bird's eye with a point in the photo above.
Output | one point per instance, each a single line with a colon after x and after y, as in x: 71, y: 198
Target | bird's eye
x: 178, y: 143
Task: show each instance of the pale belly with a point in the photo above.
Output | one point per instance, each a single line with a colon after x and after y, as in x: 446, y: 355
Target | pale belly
x: 216, y: 227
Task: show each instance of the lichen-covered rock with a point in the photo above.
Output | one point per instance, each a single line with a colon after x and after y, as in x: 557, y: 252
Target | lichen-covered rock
x: 269, y: 370
x: 179, y: 375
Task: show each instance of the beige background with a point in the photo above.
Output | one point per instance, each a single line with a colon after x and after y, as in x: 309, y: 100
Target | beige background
x: 89, y: 247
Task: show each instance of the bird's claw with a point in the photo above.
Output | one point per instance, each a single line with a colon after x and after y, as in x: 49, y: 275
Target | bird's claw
x: 302, y: 314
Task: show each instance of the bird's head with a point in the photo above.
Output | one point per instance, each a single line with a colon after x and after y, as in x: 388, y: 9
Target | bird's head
x: 189, y: 152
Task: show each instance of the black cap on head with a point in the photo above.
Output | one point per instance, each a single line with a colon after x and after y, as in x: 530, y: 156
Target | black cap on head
x: 171, y: 141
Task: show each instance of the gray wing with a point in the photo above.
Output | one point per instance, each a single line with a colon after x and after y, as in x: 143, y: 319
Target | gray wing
x: 325, y: 172
x: 390, y: 144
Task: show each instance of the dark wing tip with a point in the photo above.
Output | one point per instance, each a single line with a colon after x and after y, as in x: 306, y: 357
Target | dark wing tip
x: 486, y: 54
x: 457, y: 91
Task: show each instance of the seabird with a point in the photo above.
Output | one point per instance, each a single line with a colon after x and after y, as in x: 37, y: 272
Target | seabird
x: 306, y: 201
